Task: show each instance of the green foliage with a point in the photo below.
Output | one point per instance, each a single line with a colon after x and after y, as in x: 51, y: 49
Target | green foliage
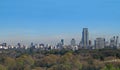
x: 24, y: 60
x: 37, y: 68
x: 110, y: 67
x: 27, y: 67
x: 118, y: 55
x: 60, y: 59
x: 2, y: 67
x: 70, y: 62
x: 10, y: 63
x: 49, y: 61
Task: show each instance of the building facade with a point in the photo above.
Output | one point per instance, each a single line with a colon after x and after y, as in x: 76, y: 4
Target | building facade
x: 85, y: 38
x: 73, y: 42
x: 100, y: 43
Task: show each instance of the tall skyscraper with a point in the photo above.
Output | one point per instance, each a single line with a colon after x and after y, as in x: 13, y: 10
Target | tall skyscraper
x: 85, y: 38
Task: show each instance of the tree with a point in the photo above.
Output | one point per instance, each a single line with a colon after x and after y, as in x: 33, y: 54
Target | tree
x: 27, y: 67
x: 37, y: 68
x: 2, y: 67
x: 24, y: 60
x: 10, y: 63
x: 49, y: 60
x: 110, y: 67
x: 70, y: 62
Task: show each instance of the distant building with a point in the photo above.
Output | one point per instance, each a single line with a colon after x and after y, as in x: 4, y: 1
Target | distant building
x: 74, y: 48
x: 100, y: 43
x: 59, y: 46
x: 117, y: 42
x: 41, y: 46
x: 62, y: 41
x: 90, y: 44
x: 3, y: 46
x: 85, y: 38
x: 74, y: 45
x: 19, y: 45
x: 114, y: 42
x: 73, y: 42
x: 32, y: 45
x: 107, y: 44
x: 80, y: 45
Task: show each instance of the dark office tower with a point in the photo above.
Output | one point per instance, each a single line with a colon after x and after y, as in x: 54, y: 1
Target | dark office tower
x: 85, y: 38
x: 90, y: 43
x: 19, y: 45
x: 4, y: 44
x: 114, y: 37
x: 114, y: 41
x: 117, y: 41
x: 32, y: 44
x: 62, y: 42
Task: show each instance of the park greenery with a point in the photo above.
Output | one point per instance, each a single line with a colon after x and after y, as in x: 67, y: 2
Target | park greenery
x: 36, y: 59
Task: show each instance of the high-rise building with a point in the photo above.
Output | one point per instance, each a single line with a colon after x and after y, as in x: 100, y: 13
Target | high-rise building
x: 60, y: 45
x: 114, y: 42
x: 117, y: 41
x: 107, y: 44
x: 74, y: 45
x: 85, y: 38
x: 19, y: 45
x: 62, y: 42
x: 90, y: 44
x: 100, y: 43
x: 73, y: 42
x: 32, y: 45
x: 4, y: 44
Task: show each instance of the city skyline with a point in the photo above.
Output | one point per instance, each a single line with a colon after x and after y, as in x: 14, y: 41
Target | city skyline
x: 50, y: 21
x: 85, y: 42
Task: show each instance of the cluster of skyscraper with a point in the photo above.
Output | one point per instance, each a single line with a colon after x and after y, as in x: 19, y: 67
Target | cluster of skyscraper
x: 85, y: 43
x: 99, y: 43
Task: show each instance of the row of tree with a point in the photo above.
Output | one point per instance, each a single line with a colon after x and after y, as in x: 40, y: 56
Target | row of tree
x: 60, y: 60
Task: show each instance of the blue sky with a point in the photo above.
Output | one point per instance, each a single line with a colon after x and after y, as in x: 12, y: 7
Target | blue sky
x: 50, y: 20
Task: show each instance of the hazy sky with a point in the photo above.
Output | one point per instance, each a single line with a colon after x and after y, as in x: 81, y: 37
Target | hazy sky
x: 51, y: 20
